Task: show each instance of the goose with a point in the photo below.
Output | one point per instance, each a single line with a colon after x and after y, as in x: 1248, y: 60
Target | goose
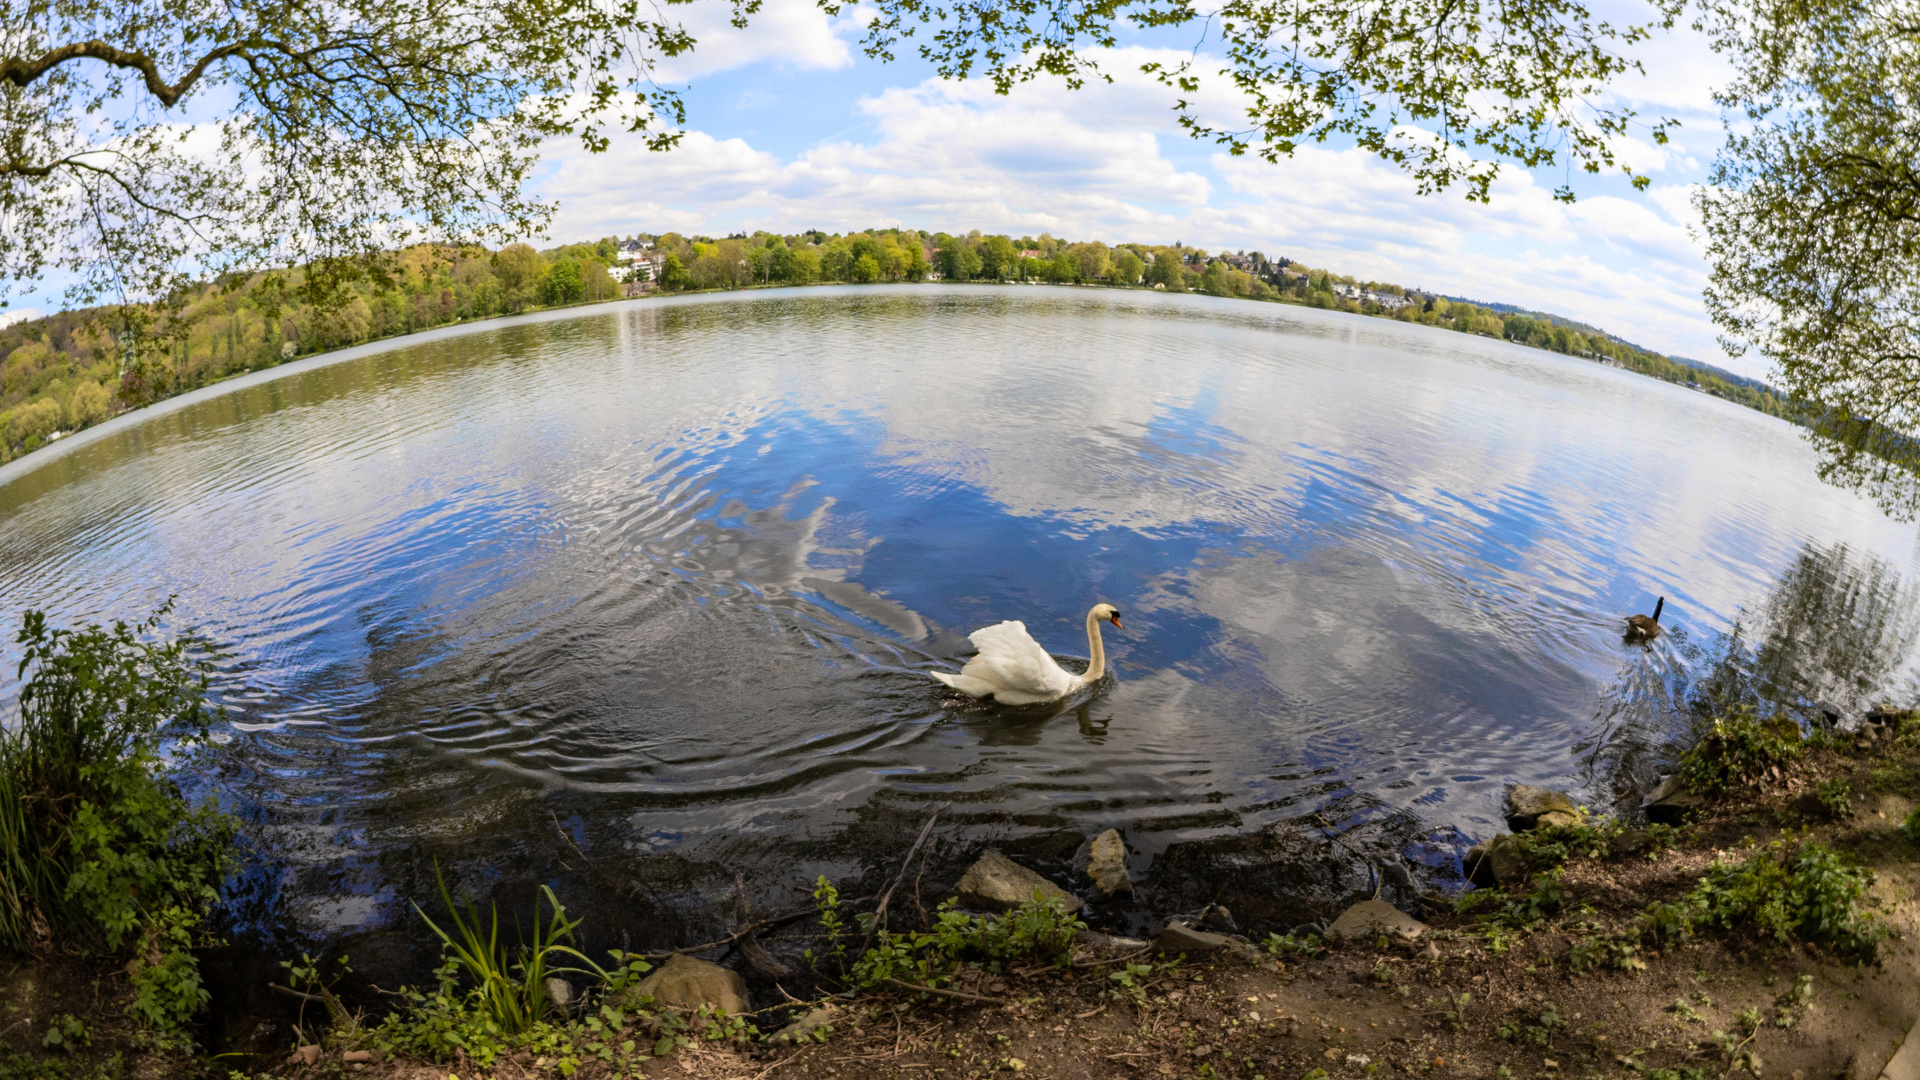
x: 1013, y: 669
x: 1645, y: 627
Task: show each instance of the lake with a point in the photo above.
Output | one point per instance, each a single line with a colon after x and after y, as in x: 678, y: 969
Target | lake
x: 641, y: 599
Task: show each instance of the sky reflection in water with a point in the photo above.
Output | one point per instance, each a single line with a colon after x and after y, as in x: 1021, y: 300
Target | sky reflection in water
x: 666, y: 578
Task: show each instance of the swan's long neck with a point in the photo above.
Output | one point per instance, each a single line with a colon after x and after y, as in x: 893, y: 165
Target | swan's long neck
x: 1096, y: 649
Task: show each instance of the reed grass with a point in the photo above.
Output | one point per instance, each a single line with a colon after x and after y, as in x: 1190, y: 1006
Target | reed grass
x: 511, y: 983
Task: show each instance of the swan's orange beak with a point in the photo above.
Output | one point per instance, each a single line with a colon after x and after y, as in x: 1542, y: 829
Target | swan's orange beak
x: 1116, y: 621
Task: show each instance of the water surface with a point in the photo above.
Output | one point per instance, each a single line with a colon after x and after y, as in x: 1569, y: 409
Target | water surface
x: 642, y: 598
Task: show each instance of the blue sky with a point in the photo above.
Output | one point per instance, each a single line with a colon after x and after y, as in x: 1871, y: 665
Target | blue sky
x: 790, y: 127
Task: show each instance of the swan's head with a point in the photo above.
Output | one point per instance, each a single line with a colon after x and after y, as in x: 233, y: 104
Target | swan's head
x: 1107, y: 613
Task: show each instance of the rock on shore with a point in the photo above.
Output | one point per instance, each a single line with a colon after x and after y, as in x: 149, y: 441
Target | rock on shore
x: 1107, y: 864
x: 997, y: 883
x: 1531, y: 807
x: 682, y: 980
x: 1370, y: 918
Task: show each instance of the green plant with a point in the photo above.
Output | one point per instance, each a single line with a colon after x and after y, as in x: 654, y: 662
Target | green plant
x: 1797, y: 998
x: 98, y: 847
x: 1456, y: 1013
x: 1912, y: 825
x: 511, y: 983
x: 1835, y: 797
x: 1793, y: 893
x: 1739, y: 750
x: 66, y: 1032
x: 1288, y: 944
x: 1604, y: 951
x: 450, y: 1019
x: 1039, y: 927
x: 1128, y: 984
x: 1660, y: 838
x: 1685, y: 1072
x: 827, y: 899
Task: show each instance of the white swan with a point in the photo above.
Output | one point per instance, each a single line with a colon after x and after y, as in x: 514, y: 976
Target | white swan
x: 1015, y: 670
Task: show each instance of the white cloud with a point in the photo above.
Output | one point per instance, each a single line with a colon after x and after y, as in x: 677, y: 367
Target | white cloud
x: 793, y: 33
x: 8, y: 318
x: 1099, y: 163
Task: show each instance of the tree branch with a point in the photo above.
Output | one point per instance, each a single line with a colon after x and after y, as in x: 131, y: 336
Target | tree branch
x: 23, y: 72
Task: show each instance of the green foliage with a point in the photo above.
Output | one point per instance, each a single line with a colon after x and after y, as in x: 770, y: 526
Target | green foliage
x: 510, y: 985
x: 1835, y: 797
x: 1604, y: 952
x: 826, y: 898
x: 1129, y: 983
x: 1911, y: 826
x: 489, y: 1000
x: 1739, y: 750
x: 98, y: 846
x: 1539, y: 1031
x: 564, y: 284
x: 1041, y: 928
x: 1791, y: 893
x: 617, y: 1026
x: 68, y: 1032
x: 1289, y: 945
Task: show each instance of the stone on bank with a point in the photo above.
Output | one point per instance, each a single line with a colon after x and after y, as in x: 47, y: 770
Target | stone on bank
x: 682, y: 980
x: 997, y: 883
x: 1530, y: 807
x: 1107, y: 864
x: 1369, y: 919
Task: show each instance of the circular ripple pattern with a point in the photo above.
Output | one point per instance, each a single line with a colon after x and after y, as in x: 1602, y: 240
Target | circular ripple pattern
x: 646, y: 596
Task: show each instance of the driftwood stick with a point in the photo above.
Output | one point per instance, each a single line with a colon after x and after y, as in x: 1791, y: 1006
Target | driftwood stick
x: 750, y: 928
x: 943, y: 993
x: 880, y: 912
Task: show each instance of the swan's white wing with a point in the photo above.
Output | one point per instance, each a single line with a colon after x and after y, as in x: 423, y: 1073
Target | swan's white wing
x: 1020, y: 670
x: 965, y: 683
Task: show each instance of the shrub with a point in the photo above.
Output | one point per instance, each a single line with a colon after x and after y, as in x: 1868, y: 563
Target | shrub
x: 1808, y: 893
x: 1835, y: 797
x: 1042, y: 928
x: 489, y: 1000
x: 97, y: 846
x: 1739, y: 750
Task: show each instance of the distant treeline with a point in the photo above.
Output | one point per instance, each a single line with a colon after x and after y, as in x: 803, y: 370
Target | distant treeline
x: 74, y: 369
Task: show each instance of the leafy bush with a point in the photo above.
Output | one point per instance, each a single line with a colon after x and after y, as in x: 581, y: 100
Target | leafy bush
x: 1835, y: 797
x: 448, y: 1019
x: 97, y: 846
x: 1288, y: 944
x: 1739, y: 750
x: 1808, y: 893
x: 1911, y: 826
x: 1039, y: 927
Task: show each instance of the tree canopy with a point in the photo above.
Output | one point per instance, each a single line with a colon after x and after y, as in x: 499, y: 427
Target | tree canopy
x: 1813, y: 224
x: 147, y: 144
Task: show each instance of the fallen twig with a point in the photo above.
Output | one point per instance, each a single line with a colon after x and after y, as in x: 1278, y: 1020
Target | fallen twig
x: 750, y: 928
x: 880, y: 912
x: 1115, y: 958
x: 944, y: 993
x: 1090, y: 1013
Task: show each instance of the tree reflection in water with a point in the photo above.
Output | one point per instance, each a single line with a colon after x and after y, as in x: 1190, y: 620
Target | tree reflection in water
x: 1830, y: 642
x: 1832, y: 639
